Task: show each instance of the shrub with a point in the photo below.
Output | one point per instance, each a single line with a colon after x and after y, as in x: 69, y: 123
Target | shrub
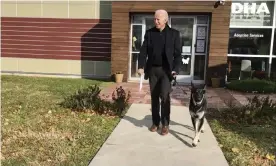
x: 252, y: 85
x: 262, y: 107
x: 88, y: 99
x: 83, y: 98
x: 121, y: 99
x: 257, y: 111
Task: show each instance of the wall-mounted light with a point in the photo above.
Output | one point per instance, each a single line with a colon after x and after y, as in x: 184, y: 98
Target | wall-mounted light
x: 219, y: 2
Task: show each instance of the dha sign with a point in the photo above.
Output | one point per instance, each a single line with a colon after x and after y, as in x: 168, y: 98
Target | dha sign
x: 245, y: 8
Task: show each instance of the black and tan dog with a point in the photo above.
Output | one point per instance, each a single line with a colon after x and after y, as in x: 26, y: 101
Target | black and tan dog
x: 197, y: 109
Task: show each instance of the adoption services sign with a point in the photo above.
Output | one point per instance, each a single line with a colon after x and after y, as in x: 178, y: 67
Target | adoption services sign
x: 252, y: 13
x: 248, y: 35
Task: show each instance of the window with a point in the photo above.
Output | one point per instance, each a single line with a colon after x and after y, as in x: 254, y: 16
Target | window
x: 274, y: 44
x: 249, y: 41
x: 136, y: 37
x: 247, y: 67
x: 136, y: 43
x: 273, y: 69
x: 149, y: 21
x: 201, y: 37
x: 199, y: 67
x: 250, y: 38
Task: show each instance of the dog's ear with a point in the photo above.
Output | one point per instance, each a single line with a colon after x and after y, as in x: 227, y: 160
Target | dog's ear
x: 204, y: 88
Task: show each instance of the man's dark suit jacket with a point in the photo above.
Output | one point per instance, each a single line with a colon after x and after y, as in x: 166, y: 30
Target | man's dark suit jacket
x: 172, y: 50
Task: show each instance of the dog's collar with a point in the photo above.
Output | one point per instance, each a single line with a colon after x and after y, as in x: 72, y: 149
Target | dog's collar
x: 197, y: 103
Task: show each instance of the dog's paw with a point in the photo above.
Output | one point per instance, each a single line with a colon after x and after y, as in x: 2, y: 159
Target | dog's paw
x: 195, y: 142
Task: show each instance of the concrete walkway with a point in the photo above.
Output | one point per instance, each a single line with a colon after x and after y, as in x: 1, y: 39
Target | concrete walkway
x: 132, y: 144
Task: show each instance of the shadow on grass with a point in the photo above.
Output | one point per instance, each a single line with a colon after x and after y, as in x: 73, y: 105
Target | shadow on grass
x: 243, y: 143
x: 99, y: 79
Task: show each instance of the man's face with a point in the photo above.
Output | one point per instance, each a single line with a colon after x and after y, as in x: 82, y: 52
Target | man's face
x: 159, y: 20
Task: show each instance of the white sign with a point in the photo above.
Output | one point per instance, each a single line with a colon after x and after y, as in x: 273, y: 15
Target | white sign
x: 185, y: 61
x: 250, y: 35
x: 186, y: 49
x: 252, y: 13
x: 246, y: 8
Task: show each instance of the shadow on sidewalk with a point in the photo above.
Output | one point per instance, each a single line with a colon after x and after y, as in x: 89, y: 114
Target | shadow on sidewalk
x: 147, y: 122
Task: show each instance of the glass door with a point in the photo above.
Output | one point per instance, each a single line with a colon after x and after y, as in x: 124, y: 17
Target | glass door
x: 186, y: 27
x: 194, y: 41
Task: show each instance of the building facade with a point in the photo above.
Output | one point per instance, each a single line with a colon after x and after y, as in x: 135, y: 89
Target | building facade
x: 100, y: 38
x: 56, y: 38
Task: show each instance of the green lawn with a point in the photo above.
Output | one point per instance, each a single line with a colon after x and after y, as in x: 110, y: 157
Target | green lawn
x: 37, y: 131
x: 244, y: 144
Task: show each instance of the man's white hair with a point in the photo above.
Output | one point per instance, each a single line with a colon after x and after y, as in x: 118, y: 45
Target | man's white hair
x: 163, y: 12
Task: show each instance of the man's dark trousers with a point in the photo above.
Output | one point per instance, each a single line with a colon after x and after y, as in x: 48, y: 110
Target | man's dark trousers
x: 160, y: 87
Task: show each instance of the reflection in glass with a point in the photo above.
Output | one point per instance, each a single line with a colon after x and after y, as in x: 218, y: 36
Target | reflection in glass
x: 136, y: 37
x: 273, y: 69
x: 199, y: 67
x: 149, y: 23
x: 134, y: 65
x: 249, y: 41
x: 202, y: 19
x: 185, y: 27
x: 274, y: 45
x: 138, y: 19
x: 257, y: 68
x: 185, y: 68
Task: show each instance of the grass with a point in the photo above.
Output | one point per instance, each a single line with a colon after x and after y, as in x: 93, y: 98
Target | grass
x: 244, y: 144
x: 37, y: 131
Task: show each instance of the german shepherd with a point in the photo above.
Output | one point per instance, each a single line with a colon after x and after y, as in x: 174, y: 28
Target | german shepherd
x: 197, y: 109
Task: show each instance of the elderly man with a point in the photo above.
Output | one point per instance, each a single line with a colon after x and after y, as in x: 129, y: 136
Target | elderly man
x: 159, y: 60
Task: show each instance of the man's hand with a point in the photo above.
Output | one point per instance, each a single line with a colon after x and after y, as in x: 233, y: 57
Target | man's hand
x: 174, y: 74
x: 140, y: 71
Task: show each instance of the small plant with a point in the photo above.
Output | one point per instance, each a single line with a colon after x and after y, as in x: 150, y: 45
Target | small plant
x: 88, y: 99
x: 258, y: 110
x: 83, y: 99
x: 121, y: 99
x: 104, y: 107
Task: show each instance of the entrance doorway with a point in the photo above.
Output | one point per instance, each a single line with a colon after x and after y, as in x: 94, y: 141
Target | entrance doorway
x: 194, y: 40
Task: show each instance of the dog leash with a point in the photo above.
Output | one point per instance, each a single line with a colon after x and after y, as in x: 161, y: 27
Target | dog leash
x: 176, y: 83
